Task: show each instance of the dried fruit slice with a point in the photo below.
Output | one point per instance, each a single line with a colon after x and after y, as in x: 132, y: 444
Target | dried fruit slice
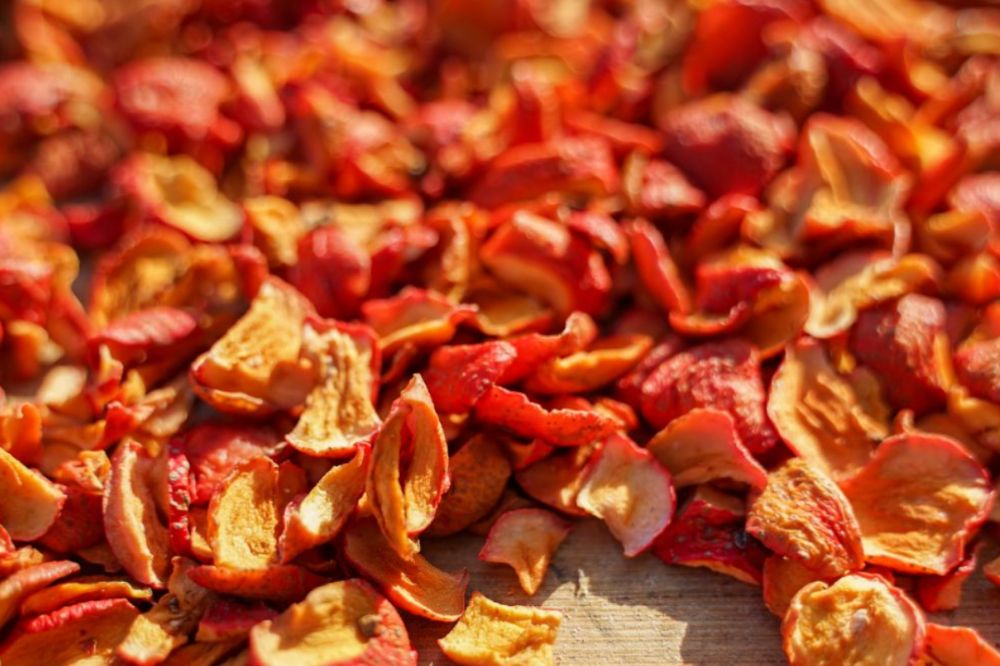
x: 415, y: 585
x: 656, y: 268
x: 256, y: 367
x: 86, y: 588
x: 84, y: 633
x: 343, y: 623
x: 627, y: 488
x: 804, y: 516
x: 405, y: 488
x: 214, y: 450
x: 859, y: 620
x: 533, y: 349
x: 281, y: 583
x: 526, y: 539
x: 918, y: 502
x: 30, y: 503
x: 958, y: 646
x: 147, y: 335
x: 820, y: 414
x: 491, y: 633
x: 556, y: 480
x: 339, y: 412
x: 943, y: 593
x: 703, y: 446
x: 479, y: 473
x: 16, y: 587
x: 245, y: 516
x: 515, y: 412
x: 226, y: 619
x: 319, y: 516
x: 782, y: 579
x: 414, y: 316
x: 134, y: 531
x: 590, y: 370
x: 457, y: 376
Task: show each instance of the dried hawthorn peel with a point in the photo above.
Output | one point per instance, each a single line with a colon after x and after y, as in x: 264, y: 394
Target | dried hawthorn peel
x: 859, y: 620
x: 244, y: 517
x: 492, y: 633
x: 526, y: 539
x: 479, y: 473
x: 957, y: 646
x: 31, y: 503
x: 346, y: 622
x: 918, y: 501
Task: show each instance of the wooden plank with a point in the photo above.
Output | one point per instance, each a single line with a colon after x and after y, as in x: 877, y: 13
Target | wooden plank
x: 638, y: 612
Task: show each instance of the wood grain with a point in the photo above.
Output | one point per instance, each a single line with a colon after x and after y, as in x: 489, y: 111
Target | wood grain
x: 640, y: 611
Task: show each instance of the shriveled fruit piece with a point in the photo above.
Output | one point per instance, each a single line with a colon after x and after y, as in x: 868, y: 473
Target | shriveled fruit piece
x: 804, y: 516
x: 339, y: 412
x: 214, y: 450
x: 84, y: 633
x: 708, y: 532
x: 346, y: 622
x: 918, y: 502
x: 861, y: 620
x: 782, y: 579
x: 404, y: 494
x: 479, y: 473
x: 656, y: 268
x: 30, y: 503
x: 415, y: 585
x: 515, y: 412
x: 526, y: 539
x: 225, y: 619
x: 627, y: 488
x: 943, y: 593
x: 820, y: 414
x: 957, y: 646
x: 318, y: 517
x: 256, y: 366
x: 533, y: 349
x: 75, y: 527
x: 906, y: 344
x: 721, y: 375
x: 976, y: 366
x: 16, y: 587
x: 556, y: 480
x: 414, y: 316
x: 82, y: 589
x: 245, y: 516
x: 458, y: 375
x: 150, y: 334
x: 491, y: 633
x: 281, y: 583
x: 591, y: 369
x: 155, y: 633
x: 703, y: 446
x: 134, y: 531
x: 333, y: 270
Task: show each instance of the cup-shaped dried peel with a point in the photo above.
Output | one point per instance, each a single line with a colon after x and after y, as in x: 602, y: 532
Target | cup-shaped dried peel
x: 918, y: 501
x: 245, y: 515
x: 493, y: 634
x: 30, y: 503
x: 703, y: 446
x: 133, y: 529
x: 458, y: 375
x: 319, y: 516
x: 88, y: 588
x: 526, y: 539
x: 415, y: 316
x: 533, y: 349
x: 479, y: 473
x: 627, y: 488
x: 404, y: 495
x: 339, y: 412
x: 83, y: 633
x: 820, y: 414
x: 804, y: 516
x: 861, y: 620
x: 656, y: 268
x: 782, y: 579
x: 256, y: 367
x: 556, y: 480
x: 281, y: 583
x: 514, y: 411
x: 589, y: 370
x: 957, y: 646
x: 340, y: 623
x: 214, y: 450
x: 415, y: 585
x: 18, y: 586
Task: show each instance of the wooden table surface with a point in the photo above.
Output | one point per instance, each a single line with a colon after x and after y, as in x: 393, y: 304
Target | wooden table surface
x: 640, y: 611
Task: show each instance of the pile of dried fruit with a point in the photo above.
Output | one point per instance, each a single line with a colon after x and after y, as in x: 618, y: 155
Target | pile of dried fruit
x: 288, y: 287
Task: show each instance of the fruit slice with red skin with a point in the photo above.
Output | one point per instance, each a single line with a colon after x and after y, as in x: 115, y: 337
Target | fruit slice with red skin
x: 86, y: 588
x: 703, y: 446
x: 943, y: 593
x: 281, y: 583
x: 75, y: 527
x: 804, y: 516
x: 415, y: 585
x: 515, y: 412
x: 627, y: 488
x: 31, y: 504
x: 225, y: 619
x: 860, y: 620
x: 131, y: 524
x: 147, y: 335
x: 918, y: 501
x: 15, y: 588
x: 346, y: 623
x: 245, y: 515
x: 318, y: 516
x: 458, y: 375
x: 479, y: 473
x: 976, y: 366
x: 84, y: 633
x: 656, y: 268
x: 556, y: 480
x: 214, y: 450
x: 526, y: 539
x: 488, y: 630
x: 958, y: 646
x: 179, y: 490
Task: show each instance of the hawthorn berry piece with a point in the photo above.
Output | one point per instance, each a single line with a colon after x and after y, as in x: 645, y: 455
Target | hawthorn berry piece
x: 30, y: 504
x: 458, y: 375
x: 861, y: 620
x: 906, y: 344
x: 977, y: 366
x: 525, y: 539
x: 338, y: 624
x: 918, y: 501
x: 958, y: 646
x: 479, y: 473
x: 15, y: 588
x: 492, y: 633
x: 804, y: 516
x: 719, y: 375
x: 245, y: 515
